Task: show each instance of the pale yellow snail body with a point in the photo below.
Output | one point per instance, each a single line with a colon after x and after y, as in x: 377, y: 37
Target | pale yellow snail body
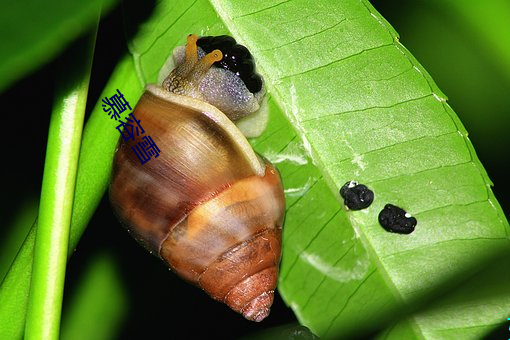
x: 208, y: 206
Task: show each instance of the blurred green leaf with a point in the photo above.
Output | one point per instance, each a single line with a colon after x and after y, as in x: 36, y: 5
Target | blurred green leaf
x: 16, y: 232
x: 475, y: 16
x: 32, y: 32
x: 98, y: 305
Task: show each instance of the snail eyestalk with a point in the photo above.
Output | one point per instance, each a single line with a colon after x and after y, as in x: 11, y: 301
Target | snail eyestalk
x: 191, y: 49
x: 203, y: 65
x: 186, y: 78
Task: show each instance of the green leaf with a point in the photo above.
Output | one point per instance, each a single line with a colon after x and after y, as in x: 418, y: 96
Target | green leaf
x: 450, y: 38
x: 98, y: 305
x: 17, y: 231
x: 474, y: 16
x: 361, y: 108
x: 32, y: 32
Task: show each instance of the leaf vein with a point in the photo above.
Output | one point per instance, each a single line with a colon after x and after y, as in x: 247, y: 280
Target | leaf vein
x: 435, y: 243
x: 450, y: 205
x: 311, y: 295
x: 336, y: 61
x: 368, y: 108
x: 347, y: 301
x: 418, y: 172
x: 398, y: 144
x: 262, y: 10
x: 304, y: 37
x: 309, y: 242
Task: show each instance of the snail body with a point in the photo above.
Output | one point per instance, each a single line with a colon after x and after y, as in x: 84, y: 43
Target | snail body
x: 208, y: 206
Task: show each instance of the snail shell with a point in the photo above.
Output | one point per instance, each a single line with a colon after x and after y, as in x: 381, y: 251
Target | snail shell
x: 208, y: 206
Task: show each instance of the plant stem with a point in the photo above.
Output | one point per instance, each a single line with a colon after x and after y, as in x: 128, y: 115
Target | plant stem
x: 96, y: 155
x: 57, y: 195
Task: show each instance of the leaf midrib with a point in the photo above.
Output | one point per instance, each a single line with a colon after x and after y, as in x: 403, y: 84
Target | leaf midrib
x: 317, y: 160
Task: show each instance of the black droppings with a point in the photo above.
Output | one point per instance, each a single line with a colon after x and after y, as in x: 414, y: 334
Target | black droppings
x: 356, y: 196
x: 396, y: 220
x: 236, y: 58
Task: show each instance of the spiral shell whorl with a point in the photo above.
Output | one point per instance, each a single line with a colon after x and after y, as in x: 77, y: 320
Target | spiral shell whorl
x: 208, y: 206
x: 244, y: 224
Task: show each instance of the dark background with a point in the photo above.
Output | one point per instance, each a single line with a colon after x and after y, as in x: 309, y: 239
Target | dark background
x: 160, y: 302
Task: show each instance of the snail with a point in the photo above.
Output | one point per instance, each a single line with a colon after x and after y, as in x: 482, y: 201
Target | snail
x: 208, y: 206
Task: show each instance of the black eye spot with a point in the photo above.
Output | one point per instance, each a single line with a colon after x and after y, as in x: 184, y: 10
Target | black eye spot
x: 236, y: 58
x: 253, y: 83
x: 223, y: 42
x: 205, y: 41
x: 245, y: 66
x: 356, y: 196
x: 240, y: 52
x: 396, y: 220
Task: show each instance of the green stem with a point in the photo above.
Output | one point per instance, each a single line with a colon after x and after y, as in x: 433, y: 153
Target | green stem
x: 57, y: 195
x: 96, y: 155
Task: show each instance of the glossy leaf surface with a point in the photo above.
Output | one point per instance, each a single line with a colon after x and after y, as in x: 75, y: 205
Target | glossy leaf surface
x: 361, y: 107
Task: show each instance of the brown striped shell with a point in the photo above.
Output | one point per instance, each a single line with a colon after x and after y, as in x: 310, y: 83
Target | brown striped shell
x: 208, y: 205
